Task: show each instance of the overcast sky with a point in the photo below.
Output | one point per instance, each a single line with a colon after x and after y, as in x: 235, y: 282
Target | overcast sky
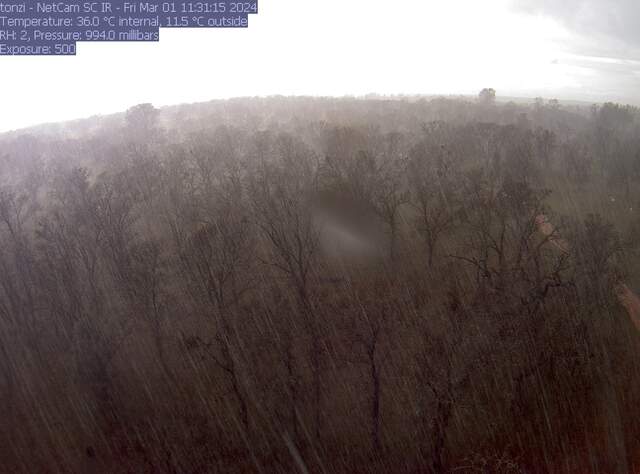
x: 566, y: 49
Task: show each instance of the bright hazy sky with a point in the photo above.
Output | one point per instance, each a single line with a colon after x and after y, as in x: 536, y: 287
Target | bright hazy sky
x: 570, y: 49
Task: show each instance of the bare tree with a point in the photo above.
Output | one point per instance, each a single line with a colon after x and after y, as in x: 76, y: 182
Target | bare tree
x: 217, y: 260
x: 281, y: 201
x: 432, y: 176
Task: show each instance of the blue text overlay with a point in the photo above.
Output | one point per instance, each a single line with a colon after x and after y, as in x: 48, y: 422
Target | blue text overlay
x: 30, y: 28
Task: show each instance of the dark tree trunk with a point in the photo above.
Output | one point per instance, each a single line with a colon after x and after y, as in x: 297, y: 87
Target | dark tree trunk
x: 375, y: 405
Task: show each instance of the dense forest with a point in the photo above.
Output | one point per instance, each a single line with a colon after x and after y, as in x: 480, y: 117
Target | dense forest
x: 318, y: 285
